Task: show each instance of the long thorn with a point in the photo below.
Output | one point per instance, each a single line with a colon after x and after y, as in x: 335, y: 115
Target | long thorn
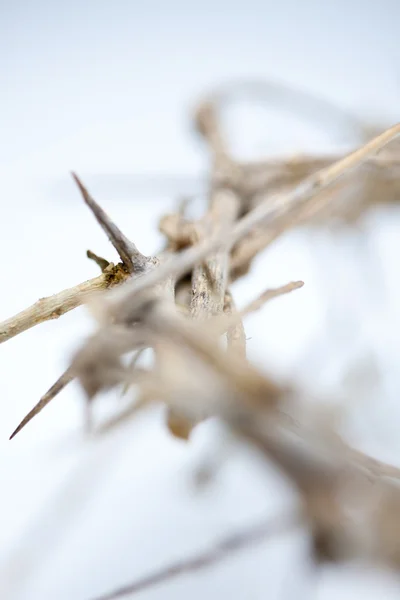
x: 55, y: 389
x: 129, y: 254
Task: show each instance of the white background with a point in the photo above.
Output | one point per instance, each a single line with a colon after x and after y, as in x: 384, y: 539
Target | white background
x: 107, y: 89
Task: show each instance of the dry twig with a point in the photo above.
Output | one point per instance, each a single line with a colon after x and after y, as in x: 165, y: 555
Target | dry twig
x: 232, y: 544
x: 55, y: 306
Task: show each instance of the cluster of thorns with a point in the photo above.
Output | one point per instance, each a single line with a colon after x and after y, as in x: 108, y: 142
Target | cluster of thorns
x: 179, y: 304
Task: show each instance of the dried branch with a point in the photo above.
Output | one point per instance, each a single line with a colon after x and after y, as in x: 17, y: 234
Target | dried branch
x: 209, y: 281
x: 282, y: 208
x: 331, y: 477
x: 233, y: 317
x: 252, y: 180
x: 249, y: 383
x: 287, y: 97
x: 251, y: 536
x: 63, y: 381
x: 270, y: 295
x: 54, y: 306
x: 177, y: 230
x: 207, y: 124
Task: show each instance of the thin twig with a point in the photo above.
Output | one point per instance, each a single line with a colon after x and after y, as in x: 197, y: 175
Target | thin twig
x: 54, y: 306
x: 251, y: 536
x: 234, y: 317
x: 270, y: 294
x: 283, y: 96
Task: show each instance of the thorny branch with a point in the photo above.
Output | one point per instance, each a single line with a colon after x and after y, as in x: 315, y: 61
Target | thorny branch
x: 179, y: 303
x: 55, y: 306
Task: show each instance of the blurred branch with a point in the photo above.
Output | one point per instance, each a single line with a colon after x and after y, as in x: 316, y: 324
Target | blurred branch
x: 237, y: 542
x: 281, y: 209
x: 249, y: 205
x: 268, y: 295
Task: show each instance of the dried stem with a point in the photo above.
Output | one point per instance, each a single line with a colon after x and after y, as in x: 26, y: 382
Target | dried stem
x: 209, y: 281
x: 54, y: 306
x: 237, y: 542
x: 270, y: 295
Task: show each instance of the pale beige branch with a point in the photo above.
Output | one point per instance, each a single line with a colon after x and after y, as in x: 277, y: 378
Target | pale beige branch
x: 287, y: 206
x: 209, y: 280
x: 54, y: 306
x: 270, y: 294
x: 281, y: 208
